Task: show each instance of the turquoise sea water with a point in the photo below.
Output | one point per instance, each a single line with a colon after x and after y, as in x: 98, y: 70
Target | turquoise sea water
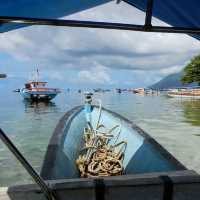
x: 173, y: 122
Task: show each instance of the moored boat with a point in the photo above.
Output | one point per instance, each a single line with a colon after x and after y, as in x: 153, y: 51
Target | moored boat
x: 139, y: 91
x: 3, y: 75
x: 37, y: 91
x: 185, y: 93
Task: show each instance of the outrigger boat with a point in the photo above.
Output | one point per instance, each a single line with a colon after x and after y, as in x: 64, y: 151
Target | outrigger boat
x: 150, y: 172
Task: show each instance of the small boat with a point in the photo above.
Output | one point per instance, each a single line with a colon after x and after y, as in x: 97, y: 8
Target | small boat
x: 37, y: 91
x: 118, y: 90
x: 3, y: 75
x: 16, y: 90
x: 139, y: 91
x: 142, y: 155
x: 184, y: 93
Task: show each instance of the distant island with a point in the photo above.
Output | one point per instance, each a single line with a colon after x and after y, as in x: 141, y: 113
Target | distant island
x: 3, y: 75
x: 171, y: 81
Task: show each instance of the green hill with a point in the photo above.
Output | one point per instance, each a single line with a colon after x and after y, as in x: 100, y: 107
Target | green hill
x: 171, y: 81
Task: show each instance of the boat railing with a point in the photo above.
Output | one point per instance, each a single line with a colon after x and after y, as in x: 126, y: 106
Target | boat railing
x: 45, y: 90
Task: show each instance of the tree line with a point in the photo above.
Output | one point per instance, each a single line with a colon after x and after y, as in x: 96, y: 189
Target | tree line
x: 192, y: 71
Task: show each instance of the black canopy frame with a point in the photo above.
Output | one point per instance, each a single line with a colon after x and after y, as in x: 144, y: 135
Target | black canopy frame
x: 147, y: 27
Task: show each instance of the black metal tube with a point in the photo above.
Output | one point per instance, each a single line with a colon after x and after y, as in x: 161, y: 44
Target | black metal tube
x: 149, y: 10
x: 36, y: 177
x: 104, y: 25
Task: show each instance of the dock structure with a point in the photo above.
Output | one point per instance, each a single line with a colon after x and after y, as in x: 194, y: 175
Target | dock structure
x: 182, y: 185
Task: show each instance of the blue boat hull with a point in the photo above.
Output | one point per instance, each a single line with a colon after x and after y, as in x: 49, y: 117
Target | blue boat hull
x: 143, y: 154
x: 37, y: 96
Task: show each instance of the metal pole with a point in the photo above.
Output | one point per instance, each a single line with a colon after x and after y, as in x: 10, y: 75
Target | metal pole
x: 36, y: 177
x: 149, y: 10
x: 103, y: 25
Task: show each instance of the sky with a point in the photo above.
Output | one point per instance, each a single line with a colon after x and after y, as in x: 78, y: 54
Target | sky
x: 84, y: 58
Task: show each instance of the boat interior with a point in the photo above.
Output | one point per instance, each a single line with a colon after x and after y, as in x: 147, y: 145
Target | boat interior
x: 142, y: 154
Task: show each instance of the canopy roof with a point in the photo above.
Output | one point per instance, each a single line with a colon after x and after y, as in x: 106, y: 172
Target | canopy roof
x: 182, y: 15
x: 50, y: 9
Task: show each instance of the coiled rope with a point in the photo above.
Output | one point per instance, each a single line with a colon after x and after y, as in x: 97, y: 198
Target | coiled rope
x: 98, y: 157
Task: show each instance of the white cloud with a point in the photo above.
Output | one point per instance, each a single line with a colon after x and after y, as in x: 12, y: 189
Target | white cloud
x: 98, y: 75
x: 56, y: 75
x: 170, y: 70
x: 12, y: 42
x: 57, y: 48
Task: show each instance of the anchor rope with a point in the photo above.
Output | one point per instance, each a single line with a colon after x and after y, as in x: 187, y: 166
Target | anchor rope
x: 98, y: 157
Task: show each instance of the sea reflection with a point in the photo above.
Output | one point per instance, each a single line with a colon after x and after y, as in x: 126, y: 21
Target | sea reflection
x: 40, y: 107
x: 191, y: 110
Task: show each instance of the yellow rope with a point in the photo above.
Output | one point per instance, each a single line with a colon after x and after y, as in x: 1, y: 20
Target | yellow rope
x: 100, y: 158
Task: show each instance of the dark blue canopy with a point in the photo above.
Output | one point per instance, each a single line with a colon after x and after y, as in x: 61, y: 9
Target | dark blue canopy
x: 177, y: 13
x: 45, y: 9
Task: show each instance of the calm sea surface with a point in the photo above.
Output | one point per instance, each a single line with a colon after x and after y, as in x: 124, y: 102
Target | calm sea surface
x: 175, y: 123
